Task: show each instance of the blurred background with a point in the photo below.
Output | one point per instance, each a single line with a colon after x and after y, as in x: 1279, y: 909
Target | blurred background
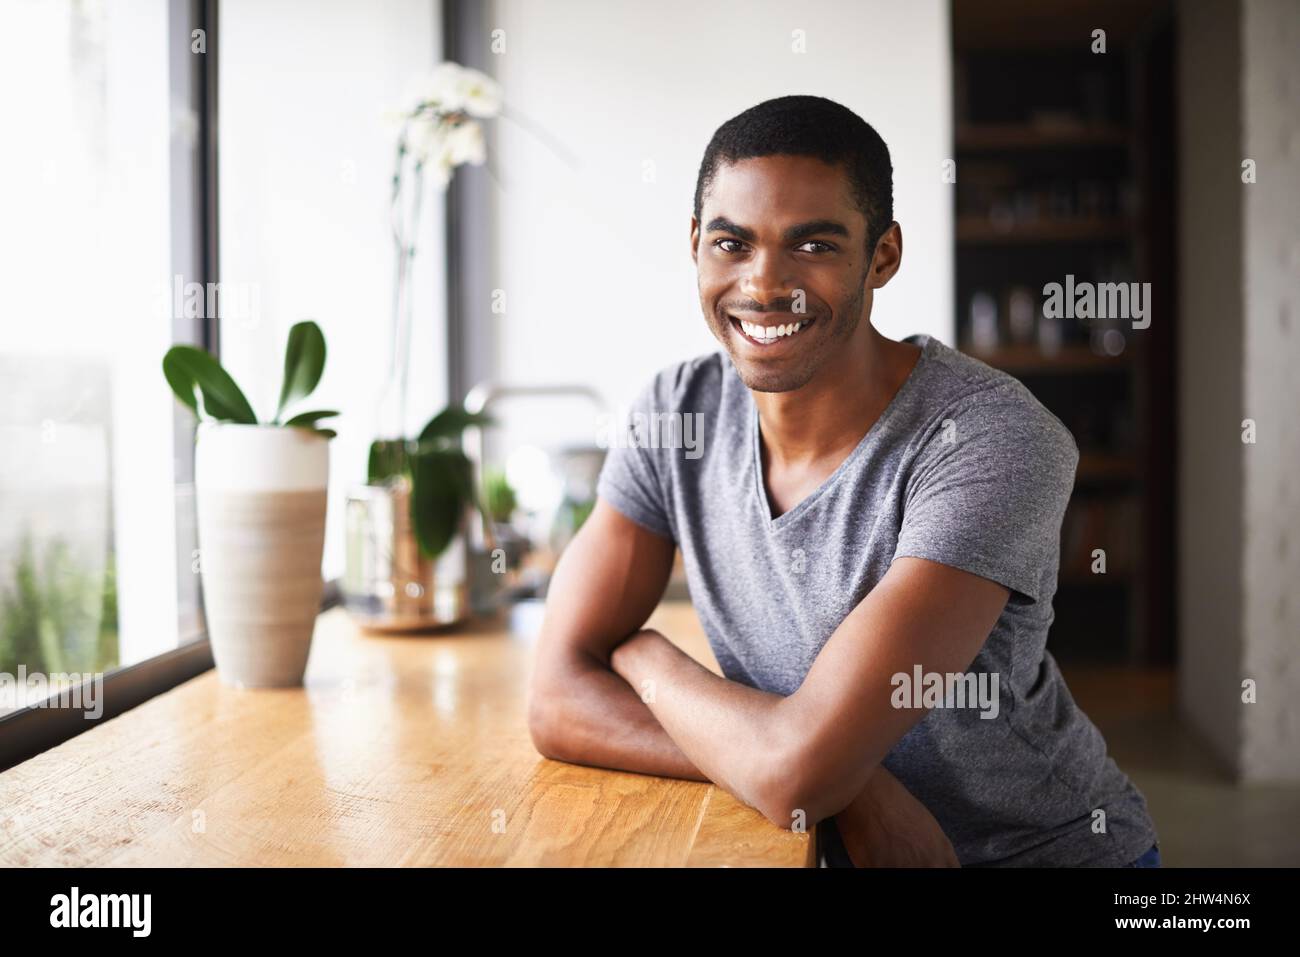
x: 154, y: 143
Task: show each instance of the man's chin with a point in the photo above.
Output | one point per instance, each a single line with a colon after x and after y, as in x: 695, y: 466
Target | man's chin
x: 759, y: 379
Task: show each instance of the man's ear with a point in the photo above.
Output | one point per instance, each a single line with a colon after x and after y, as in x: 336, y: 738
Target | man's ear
x: 887, y: 258
x: 695, y: 240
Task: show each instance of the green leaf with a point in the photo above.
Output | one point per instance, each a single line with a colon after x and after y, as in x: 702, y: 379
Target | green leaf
x: 328, y: 433
x: 304, y: 361
x: 310, y: 418
x: 179, y: 378
x: 451, y: 422
x: 222, y: 399
x: 438, y: 483
x: 498, y: 496
x: 473, y: 495
x: 388, y: 460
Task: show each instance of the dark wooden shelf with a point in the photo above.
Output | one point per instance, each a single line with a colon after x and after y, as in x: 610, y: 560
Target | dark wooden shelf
x: 1027, y: 136
x: 1069, y: 166
x: 977, y: 231
x: 1022, y: 359
x: 1118, y: 579
x: 1105, y: 467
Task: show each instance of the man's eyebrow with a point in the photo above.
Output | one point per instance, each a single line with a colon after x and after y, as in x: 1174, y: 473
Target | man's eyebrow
x: 721, y: 224
x: 801, y: 231
x: 815, y: 228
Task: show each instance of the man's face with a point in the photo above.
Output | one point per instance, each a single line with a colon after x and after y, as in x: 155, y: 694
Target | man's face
x: 781, y: 243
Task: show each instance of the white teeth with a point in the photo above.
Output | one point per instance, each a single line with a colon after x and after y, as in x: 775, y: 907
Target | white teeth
x: 769, y: 333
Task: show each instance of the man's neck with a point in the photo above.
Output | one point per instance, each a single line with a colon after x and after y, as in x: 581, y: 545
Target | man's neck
x: 832, y: 413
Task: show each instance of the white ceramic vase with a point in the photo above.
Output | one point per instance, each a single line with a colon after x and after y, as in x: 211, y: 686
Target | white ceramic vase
x: 261, y: 496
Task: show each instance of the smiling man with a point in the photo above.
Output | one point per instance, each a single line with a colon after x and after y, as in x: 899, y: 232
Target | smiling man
x: 870, y: 530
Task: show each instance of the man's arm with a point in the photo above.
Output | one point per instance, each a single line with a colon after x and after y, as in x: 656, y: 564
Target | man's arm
x: 813, y: 751
x: 608, y: 581
x: 606, y: 584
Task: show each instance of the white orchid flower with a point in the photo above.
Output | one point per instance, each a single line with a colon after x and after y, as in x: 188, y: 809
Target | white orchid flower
x: 480, y: 93
x: 464, y: 144
x: 439, y: 172
x: 452, y: 88
x: 425, y: 139
x: 442, y: 87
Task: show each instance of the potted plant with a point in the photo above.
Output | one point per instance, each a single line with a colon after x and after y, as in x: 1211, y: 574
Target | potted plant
x: 261, y: 496
x: 407, y: 566
x: 499, y: 497
x: 438, y: 131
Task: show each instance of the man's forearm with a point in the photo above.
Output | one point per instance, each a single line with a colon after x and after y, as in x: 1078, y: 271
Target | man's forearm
x: 729, y: 730
x: 589, y: 715
x: 597, y: 719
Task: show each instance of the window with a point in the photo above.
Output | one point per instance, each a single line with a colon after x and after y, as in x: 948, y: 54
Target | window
x: 110, y: 215
x: 96, y: 513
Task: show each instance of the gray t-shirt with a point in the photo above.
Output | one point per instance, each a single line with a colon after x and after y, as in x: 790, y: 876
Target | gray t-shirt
x: 964, y: 467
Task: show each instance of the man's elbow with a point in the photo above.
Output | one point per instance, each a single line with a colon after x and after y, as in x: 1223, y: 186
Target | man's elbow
x: 542, y: 724
x: 794, y: 796
x: 788, y: 809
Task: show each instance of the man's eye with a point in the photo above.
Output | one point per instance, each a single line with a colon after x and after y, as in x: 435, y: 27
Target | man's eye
x: 718, y: 243
x: 826, y: 247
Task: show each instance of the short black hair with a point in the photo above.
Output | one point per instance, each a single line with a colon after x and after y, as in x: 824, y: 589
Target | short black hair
x: 809, y: 126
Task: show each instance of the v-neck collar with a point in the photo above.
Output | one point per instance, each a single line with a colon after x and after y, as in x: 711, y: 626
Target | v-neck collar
x: 925, y: 341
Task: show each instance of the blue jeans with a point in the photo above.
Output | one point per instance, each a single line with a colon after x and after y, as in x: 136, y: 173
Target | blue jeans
x: 833, y: 851
x: 834, y: 854
x: 1150, y: 859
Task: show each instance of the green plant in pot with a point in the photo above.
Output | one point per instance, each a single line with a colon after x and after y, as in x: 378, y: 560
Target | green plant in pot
x: 261, y: 491
x: 499, y: 496
x: 407, y: 567
x: 200, y: 382
x: 501, y: 502
x: 438, y: 472
x: 407, y: 561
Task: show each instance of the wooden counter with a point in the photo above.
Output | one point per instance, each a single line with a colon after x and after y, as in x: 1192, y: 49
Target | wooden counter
x: 399, y: 751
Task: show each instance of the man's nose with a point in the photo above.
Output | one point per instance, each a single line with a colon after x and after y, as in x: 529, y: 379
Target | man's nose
x: 767, y: 278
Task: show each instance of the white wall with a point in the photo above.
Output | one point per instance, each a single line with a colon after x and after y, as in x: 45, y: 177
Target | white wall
x: 1239, y: 346
x: 1210, y: 375
x: 595, y: 263
x: 306, y: 163
x: 1270, y: 745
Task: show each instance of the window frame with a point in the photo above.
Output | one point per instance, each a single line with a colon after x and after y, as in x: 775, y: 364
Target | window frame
x: 28, y: 731
x: 195, y: 246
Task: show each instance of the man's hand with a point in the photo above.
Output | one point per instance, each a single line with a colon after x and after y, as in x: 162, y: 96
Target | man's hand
x: 885, y: 826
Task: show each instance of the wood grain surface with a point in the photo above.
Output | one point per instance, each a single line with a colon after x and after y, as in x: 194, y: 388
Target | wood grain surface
x: 399, y: 750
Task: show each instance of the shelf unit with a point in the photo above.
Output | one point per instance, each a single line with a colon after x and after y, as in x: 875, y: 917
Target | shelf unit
x: 972, y: 230
x: 1065, y: 166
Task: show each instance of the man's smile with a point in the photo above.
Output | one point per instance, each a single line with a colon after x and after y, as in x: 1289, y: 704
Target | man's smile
x: 771, y: 332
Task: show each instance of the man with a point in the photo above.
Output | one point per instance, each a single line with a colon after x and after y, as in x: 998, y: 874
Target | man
x: 870, y: 530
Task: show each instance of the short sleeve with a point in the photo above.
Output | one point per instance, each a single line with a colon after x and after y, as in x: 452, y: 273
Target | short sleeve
x: 988, y: 491
x: 630, y: 478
